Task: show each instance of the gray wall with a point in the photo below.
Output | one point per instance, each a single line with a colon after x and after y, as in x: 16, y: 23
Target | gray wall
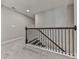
x: 60, y: 16
x: 13, y: 24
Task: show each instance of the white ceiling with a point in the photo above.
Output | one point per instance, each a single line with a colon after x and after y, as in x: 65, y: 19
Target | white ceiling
x: 35, y: 6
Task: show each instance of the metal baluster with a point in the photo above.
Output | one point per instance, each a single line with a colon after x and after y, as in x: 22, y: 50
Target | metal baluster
x: 73, y: 41
x: 49, y: 40
x: 39, y: 35
x: 59, y: 38
x: 55, y: 40
x: 50, y: 37
x: 46, y: 39
x: 62, y: 39
x: 26, y: 37
x: 69, y: 41
x: 40, y: 38
x: 43, y: 37
x: 65, y: 41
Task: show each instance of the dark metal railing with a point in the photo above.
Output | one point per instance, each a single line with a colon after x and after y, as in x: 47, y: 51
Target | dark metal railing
x: 55, y: 28
x: 59, y: 39
x: 51, y: 41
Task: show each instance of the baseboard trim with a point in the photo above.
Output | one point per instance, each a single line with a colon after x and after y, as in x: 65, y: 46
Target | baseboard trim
x: 12, y: 40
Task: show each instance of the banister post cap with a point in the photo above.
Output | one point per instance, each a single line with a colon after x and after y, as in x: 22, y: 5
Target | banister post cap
x: 75, y: 27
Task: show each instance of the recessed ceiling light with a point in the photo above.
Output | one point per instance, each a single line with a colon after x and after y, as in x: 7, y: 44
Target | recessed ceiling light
x: 28, y: 10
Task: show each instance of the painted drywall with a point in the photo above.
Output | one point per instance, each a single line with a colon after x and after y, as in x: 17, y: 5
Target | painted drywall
x: 13, y: 24
x: 60, y: 16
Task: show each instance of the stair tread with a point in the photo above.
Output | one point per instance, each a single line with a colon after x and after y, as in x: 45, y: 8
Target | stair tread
x: 39, y: 43
x: 43, y: 45
x: 33, y: 40
x: 36, y: 42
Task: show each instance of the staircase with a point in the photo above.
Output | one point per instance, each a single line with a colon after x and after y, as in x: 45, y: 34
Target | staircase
x: 36, y: 42
x: 58, y: 39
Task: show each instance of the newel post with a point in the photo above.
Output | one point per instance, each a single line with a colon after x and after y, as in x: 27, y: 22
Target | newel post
x: 26, y: 40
